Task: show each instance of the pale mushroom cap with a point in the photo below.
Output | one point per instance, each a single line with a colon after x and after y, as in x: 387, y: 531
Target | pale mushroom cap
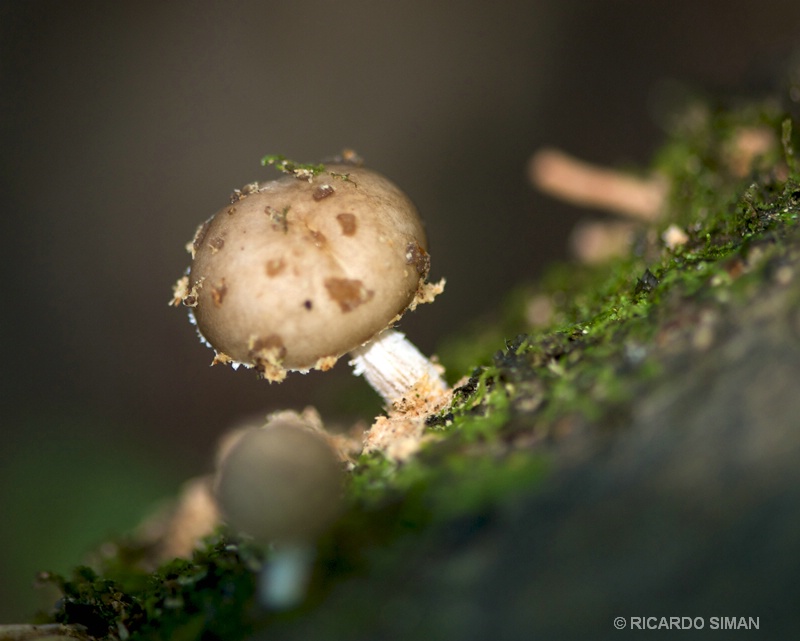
x: 298, y: 272
x: 280, y: 483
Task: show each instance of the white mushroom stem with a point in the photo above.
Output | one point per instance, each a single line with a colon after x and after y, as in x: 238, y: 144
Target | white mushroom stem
x: 393, y: 367
x: 284, y: 578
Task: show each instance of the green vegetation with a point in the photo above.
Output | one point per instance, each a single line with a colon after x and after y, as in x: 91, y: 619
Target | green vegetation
x: 286, y: 166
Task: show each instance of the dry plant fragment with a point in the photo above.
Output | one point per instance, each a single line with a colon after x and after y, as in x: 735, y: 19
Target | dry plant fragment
x: 632, y: 199
x: 747, y: 145
x: 674, y: 237
x: 43, y: 632
x: 579, y: 182
x: 178, y: 532
x: 594, y: 242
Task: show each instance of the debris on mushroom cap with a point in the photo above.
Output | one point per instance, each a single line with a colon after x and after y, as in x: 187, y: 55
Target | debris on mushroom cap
x: 300, y: 270
x: 280, y: 483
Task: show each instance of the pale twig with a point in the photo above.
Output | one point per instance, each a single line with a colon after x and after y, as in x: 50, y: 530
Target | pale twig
x: 582, y: 183
x: 31, y: 632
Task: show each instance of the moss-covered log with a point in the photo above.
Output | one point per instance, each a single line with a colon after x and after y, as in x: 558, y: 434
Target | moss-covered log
x: 637, y: 454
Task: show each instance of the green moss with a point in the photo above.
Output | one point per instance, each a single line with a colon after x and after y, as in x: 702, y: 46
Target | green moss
x: 297, y: 169
x: 210, y: 596
x: 607, y: 339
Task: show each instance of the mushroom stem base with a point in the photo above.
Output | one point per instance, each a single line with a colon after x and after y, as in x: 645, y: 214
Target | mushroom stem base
x: 393, y: 367
x: 284, y: 578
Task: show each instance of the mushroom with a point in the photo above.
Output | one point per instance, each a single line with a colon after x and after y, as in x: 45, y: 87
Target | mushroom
x: 298, y: 271
x: 281, y: 485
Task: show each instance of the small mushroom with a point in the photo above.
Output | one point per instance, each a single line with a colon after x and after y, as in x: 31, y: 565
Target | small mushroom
x: 296, y: 272
x: 281, y: 484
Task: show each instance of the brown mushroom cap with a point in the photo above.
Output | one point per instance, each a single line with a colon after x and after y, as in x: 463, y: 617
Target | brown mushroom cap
x: 280, y: 483
x: 298, y: 272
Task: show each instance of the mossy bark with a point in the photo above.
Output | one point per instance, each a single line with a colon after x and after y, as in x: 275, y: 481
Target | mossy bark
x: 637, y: 456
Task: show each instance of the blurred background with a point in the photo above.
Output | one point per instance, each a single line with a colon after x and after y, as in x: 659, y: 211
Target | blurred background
x: 125, y: 125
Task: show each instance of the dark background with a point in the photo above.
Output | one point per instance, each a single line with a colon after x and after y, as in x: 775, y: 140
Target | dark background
x: 124, y: 125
